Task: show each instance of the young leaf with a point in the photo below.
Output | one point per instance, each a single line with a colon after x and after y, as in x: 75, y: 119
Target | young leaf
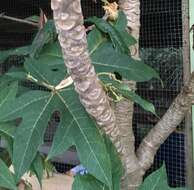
x: 114, y: 35
x: 6, y: 178
x: 95, y: 39
x: 121, y: 22
x: 158, y: 181
x: 121, y: 26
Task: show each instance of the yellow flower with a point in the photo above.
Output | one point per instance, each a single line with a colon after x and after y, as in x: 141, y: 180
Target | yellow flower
x: 111, y: 10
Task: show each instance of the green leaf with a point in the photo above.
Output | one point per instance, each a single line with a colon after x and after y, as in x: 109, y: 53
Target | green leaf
x: 17, y: 73
x: 88, y: 140
x: 126, y: 92
x: 8, y: 94
x: 121, y: 22
x: 95, y: 39
x: 35, y: 109
x: 44, y: 36
x: 38, y: 167
x: 98, y: 162
x: 20, y: 51
x: 114, y: 34
x: 128, y: 39
x: 121, y: 26
x: 51, y: 49
x: 106, y: 59
x: 63, y: 138
x: 48, y: 69
x: 6, y: 178
x: 87, y: 182
x: 7, y: 129
x: 116, y: 164
x: 158, y: 181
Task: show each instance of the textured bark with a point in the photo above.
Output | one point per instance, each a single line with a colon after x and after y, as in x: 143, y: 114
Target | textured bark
x: 124, y: 117
x: 72, y: 37
x: 132, y: 178
x: 166, y: 125
x: 131, y: 9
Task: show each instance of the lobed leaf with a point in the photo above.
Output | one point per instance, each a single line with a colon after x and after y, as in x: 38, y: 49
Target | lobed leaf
x: 88, y: 140
x: 35, y: 109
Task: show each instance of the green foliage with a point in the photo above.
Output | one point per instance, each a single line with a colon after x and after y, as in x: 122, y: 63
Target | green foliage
x: 115, y: 32
x: 44, y: 36
x: 30, y: 109
x: 6, y: 178
x: 127, y: 93
x: 89, y: 182
x: 38, y: 167
x: 158, y: 181
x: 116, y: 165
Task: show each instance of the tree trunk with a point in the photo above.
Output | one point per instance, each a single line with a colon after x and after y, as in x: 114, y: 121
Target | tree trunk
x: 124, y: 109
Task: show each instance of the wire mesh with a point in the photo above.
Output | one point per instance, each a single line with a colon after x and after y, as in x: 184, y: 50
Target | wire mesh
x: 160, y: 46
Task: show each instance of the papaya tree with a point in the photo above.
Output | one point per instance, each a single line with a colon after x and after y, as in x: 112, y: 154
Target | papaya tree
x: 93, y: 95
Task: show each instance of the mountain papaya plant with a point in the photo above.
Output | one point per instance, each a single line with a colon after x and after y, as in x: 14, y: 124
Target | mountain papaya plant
x: 93, y: 94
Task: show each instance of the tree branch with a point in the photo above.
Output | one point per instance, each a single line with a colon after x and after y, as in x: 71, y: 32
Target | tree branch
x: 3, y: 16
x: 171, y: 119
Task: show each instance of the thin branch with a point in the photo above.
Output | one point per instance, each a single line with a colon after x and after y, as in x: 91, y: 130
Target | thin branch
x: 3, y: 16
x: 171, y: 119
